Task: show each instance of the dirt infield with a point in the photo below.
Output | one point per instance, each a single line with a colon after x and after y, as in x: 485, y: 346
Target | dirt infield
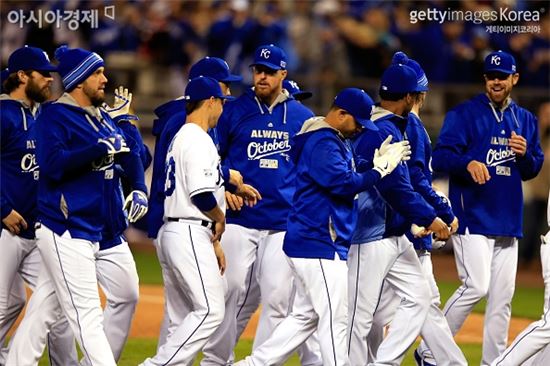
x: 149, y: 310
x: 149, y: 316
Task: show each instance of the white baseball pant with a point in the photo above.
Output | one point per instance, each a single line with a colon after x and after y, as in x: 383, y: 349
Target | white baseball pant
x: 247, y: 252
x: 392, y: 259
x: 435, y: 331
x: 320, y: 304
x: 21, y: 263
x: 487, y: 268
x: 175, y: 308
x: 190, y: 257
x: 533, y: 343
x: 69, y: 276
x: 117, y: 276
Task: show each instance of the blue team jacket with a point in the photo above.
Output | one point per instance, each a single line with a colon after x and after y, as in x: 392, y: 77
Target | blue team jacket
x: 19, y: 170
x: 391, y: 208
x: 170, y: 118
x: 255, y: 140
x: 421, y: 176
x: 74, y: 168
x: 116, y: 221
x: 323, y: 213
x: 477, y: 130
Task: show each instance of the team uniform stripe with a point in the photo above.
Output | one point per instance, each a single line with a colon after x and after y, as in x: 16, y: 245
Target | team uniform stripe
x: 205, y: 297
x: 330, y: 313
x: 71, y: 297
x: 465, y: 280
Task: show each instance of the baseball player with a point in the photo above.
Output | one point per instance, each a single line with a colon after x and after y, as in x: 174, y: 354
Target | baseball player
x: 381, y: 252
x: 248, y: 305
x: 531, y: 347
x: 194, y: 222
x: 435, y: 330
x: 254, y: 137
x: 320, y: 224
x: 77, y: 147
x: 488, y: 146
x: 116, y: 269
x: 294, y: 89
x: 171, y: 118
x: 27, y: 85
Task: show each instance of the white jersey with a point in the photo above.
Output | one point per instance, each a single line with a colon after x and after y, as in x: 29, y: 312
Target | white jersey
x: 192, y: 167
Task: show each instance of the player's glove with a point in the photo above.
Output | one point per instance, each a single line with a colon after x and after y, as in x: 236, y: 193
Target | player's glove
x: 388, y: 156
x: 136, y: 205
x: 123, y: 99
x: 115, y: 144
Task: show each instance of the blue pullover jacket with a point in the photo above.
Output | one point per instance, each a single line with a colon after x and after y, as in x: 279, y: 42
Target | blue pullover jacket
x: 255, y: 140
x: 391, y: 208
x: 116, y: 221
x: 421, y: 176
x: 323, y: 212
x: 478, y: 130
x: 75, y: 167
x: 18, y: 168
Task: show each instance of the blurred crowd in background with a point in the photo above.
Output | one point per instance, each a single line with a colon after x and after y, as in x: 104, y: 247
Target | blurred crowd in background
x: 150, y: 45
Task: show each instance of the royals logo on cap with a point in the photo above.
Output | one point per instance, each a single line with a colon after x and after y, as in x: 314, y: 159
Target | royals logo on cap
x: 500, y: 61
x: 270, y: 56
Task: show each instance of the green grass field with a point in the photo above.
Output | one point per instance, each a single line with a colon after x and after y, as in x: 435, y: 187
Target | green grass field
x: 527, y: 303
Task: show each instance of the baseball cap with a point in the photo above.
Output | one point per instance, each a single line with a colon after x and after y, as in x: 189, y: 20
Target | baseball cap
x: 399, y: 78
x: 357, y: 103
x: 213, y: 67
x: 294, y: 89
x: 204, y: 87
x: 500, y: 61
x: 270, y: 56
x: 421, y: 79
x: 29, y: 58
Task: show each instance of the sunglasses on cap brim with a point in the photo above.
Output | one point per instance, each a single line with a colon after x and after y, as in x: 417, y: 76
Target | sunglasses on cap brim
x: 261, y: 68
x: 497, y: 75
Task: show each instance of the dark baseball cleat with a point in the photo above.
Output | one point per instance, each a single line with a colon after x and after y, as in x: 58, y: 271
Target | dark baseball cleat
x: 420, y: 361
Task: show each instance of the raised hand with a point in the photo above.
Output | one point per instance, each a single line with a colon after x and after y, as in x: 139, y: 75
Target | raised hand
x: 387, y: 157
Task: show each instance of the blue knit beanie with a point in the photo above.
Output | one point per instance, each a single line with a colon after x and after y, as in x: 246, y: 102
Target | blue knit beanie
x: 75, y: 65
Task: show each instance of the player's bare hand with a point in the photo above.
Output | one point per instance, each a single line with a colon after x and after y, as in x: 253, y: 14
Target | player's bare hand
x: 454, y: 225
x: 440, y: 229
x: 235, y: 178
x: 15, y: 222
x: 518, y: 144
x: 478, y: 171
x: 234, y: 202
x: 220, y: 256
x: 250, y: 194
x: 219, y: 228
